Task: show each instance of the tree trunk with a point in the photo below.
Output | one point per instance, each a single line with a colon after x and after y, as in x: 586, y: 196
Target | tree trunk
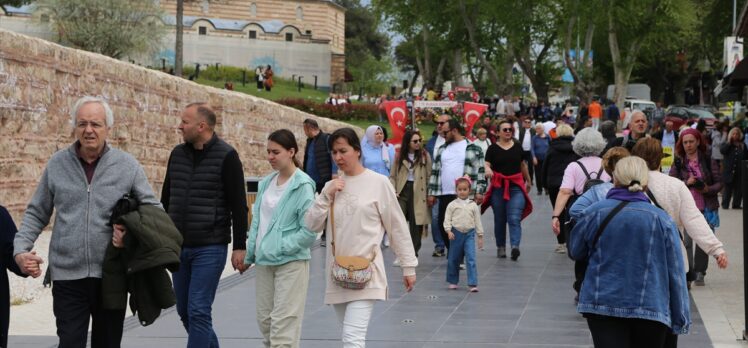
x: 457, y: 67
x: 427, y: 73
x: 413, y: 82
x: 623, y: 65
x: 508, y: 72
x: 421, y: 70
x: 179, y: 47
x: 492, y: 74
x: 679, y: 88
x: 578, y: 67
x: 438, y: 81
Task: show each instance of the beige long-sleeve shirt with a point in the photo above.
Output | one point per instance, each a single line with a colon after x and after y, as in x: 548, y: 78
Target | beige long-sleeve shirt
x: 463, y: 215
x: 675, y: 198
x: 364, y: 209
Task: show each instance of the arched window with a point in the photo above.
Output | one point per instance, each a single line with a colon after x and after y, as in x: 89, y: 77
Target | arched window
x: 253, y: 9
x: 300, y: 13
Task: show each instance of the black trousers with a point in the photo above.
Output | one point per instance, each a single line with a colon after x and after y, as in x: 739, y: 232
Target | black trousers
x: 613, y: 332
x: 733, y: 191
x: 539, y: 182
x: 318, y: 188
x: 444, y: 201
x: 553, y: 194
x: 74, y: 303
x: 407, y: 204
x: 527, y: 157
x: 698, y: 260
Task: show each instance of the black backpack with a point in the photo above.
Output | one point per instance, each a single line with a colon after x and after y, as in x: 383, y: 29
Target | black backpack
x: 590, y: 181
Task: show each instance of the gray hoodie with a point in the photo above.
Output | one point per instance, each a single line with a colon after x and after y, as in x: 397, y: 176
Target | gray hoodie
x: 80, y: 234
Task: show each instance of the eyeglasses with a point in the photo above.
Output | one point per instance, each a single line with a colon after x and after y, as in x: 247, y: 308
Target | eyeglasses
x: 507, y: 130
x: 416, y: 141
x: 440, y: 123
x: 84, y: 125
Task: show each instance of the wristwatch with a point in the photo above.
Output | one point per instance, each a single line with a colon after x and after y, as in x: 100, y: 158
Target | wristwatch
x: 555, y: 217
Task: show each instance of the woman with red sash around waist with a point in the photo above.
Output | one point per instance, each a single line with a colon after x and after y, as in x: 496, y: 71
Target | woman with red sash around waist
x: 510, y: 182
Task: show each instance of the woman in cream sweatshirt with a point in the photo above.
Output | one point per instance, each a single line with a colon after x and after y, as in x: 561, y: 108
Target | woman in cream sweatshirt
x: 365, y: 206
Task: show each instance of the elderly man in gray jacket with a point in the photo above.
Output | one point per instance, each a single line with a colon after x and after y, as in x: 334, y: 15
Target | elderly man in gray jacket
x: 81, y: 184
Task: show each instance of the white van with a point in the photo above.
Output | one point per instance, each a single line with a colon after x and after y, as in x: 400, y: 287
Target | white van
x: 630, y: 105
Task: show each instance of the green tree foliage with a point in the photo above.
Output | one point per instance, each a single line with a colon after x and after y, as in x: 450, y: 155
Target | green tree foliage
x: 110, y: 27
x: 367, y: 49
x: 432, y: 35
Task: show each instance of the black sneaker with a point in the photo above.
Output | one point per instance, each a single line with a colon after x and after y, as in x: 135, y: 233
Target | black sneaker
x: 515, y: 254
x: 438, y: 253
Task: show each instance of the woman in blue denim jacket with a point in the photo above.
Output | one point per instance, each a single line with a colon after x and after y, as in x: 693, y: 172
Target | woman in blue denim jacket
x: 634, y: 292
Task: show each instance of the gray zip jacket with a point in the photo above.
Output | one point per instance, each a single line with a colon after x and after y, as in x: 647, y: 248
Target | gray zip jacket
x: 80, y: 234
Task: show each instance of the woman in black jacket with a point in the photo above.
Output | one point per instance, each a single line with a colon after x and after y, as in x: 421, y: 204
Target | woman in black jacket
x: 7, y: 233
x: 734, y: 152
x: 560, y: 154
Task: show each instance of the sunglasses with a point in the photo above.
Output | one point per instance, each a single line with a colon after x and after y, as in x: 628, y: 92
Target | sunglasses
x: 415, y: 141
x: 441, y: 123
x: 507, y: 130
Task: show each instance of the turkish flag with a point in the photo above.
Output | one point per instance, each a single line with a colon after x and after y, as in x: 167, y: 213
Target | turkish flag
x: 397, y: 113
x: 473, y: 112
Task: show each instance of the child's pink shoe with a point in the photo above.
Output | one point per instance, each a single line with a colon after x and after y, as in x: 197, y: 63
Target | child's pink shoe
x: 473, y: 289
x: 452, y: 286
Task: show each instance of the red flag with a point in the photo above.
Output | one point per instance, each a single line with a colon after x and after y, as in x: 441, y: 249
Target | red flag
x: 397, y: 113
x: 473, y: 112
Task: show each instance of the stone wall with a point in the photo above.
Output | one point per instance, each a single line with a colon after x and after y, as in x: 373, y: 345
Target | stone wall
x: 39, y: 82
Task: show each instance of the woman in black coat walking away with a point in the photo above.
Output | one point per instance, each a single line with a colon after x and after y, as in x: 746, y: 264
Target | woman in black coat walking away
x: 560, y: 154
x: 734, y: 151
x: 7, y: 233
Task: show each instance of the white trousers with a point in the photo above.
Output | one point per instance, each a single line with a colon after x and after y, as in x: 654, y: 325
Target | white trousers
x: 355, y: 317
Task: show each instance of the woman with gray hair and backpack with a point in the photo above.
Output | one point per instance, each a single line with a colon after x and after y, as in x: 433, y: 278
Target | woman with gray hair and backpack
x: 626, y: 232
x: 579, y: 176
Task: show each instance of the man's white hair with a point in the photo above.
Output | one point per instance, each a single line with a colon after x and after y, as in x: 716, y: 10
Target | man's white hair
x: 89, y: 99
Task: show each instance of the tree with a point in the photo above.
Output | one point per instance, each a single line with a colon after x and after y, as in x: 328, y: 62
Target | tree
x: 113, y: 28
x: 629, y: 25
x: 179, y: 40
x: 367, y: 48
x: 580, y: 66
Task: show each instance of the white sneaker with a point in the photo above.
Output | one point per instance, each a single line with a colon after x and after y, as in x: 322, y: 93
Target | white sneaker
x: 561, y: 249
x: 386, y: 241
x: 396, y: 262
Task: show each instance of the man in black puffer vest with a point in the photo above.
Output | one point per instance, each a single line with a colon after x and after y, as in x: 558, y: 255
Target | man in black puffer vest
x: 318, y: 163
x: 204, y: 194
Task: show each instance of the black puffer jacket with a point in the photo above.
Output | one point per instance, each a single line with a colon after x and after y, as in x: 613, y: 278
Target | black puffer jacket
x: 560, y: 154
x: 152, y: 245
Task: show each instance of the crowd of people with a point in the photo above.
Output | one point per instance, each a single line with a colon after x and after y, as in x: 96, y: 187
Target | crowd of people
x: 627, y: 224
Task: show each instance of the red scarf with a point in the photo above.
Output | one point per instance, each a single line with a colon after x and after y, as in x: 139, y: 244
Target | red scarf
x: 499, y: 181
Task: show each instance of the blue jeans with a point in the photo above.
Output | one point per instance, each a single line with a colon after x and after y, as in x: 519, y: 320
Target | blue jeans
x: 462, y: 246
x: 507, y: 212
x: 195, y: 285
x: 436, y: 230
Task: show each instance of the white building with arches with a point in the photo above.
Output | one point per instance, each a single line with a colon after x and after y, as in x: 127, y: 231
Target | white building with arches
x: 296, y: 37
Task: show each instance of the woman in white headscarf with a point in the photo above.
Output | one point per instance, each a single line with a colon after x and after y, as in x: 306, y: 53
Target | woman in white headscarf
x: 376, y: 155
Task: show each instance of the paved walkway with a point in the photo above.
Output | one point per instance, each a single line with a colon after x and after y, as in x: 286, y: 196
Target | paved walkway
x: 528, y: 303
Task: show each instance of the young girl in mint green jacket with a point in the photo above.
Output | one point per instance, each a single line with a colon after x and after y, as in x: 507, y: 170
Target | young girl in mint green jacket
x: 278, y: 243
